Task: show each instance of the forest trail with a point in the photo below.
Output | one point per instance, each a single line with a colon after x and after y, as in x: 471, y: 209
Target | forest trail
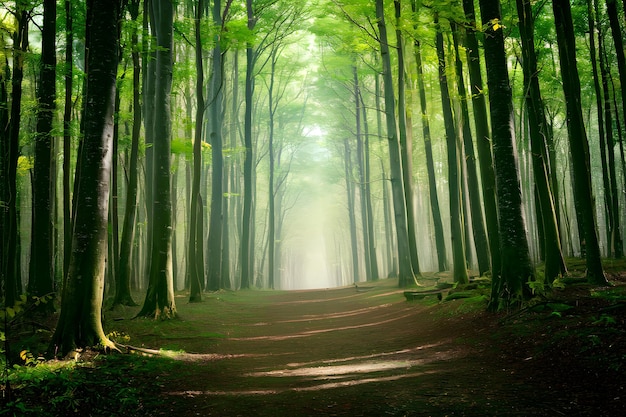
x: 347, y: 352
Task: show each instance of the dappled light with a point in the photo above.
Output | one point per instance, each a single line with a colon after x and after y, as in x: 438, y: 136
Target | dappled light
x: 319, y: 331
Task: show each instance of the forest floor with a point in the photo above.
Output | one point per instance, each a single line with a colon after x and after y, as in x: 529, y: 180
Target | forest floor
x: 365, y: 351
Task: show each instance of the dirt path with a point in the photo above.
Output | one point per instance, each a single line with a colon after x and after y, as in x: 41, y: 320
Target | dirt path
x: 347, y: 352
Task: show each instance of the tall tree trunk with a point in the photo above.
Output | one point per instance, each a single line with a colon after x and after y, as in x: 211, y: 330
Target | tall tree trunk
x: 368, y: 196
x: 272, y: 158
x: 538, y: 127
x: 11, y: 250
x: 351, y: 210
x: 601, y: 113
x: 80, y: 322
x: 195, y: 272
x: 516, y: 268
x: 159, y: 301
x: 440, y: 244
x: 614, y: 233
x: 113, y: 229
x: 406, y: 275
x: 579, y: 147
x: 122, y: 289
x: 361, y: 171
x: 475, y: 206
x: 214, y: 256
x: 392, y: 259
x: 459, y: 268
x: 149, y: 90
x: 247, y: 244
x: 406, y: 146
x: 67, y: 134
x: 483, y: 137
x: 41, y: 275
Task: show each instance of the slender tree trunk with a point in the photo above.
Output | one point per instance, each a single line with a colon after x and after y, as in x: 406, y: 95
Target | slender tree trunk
x: 351, y: 210
x: 149, y: 89
x: 41, y: 276
x: 80, y: 322
x: 602, y: 133
x: 516, y: 267
x: 579, y: 147
x: 159, y: 301
x: 11, y: 250
x: 272, y: 194
x: 615, y: 236
x: 122, y: 289
x: 214, y: 256
x: 67, y: 134
x: 247, y: 244
x: 475, y: 205
x: 195, y: 275
x: 483, y: 137
x: 456, y: 214
x: 406, y: 146
x: 538, y: 129
x: 392, y: 260
x: 361, y: 171
x: 406, y: 275
x: 440, y: 244
x: 368, y: 197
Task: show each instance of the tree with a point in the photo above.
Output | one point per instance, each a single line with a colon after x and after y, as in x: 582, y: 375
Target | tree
x: 430, y: 164
x: 10, y: 272
x: 247, y: 236
x: 483, y: 136
x: 159, y: 301
x: 539, y: 132
x: 516, y: 268
x: 578, y: 145
x: 80, y: 322
x: 406, y: 146
x: 478, y: 226
x: 454, y: 185
x: 122, y: 287
x: 216, y: 100
x: 41, y: 273
x: 405, y: 274
x: 195, y: 272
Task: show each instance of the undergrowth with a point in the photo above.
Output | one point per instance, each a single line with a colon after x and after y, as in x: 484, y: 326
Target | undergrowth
x: 105, y: 385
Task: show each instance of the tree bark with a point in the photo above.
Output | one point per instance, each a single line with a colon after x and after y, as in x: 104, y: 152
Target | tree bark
x: 406, y: 275
x: 214, y: 255
x: 579, y: 147
x: 122, y: 289
x: 459, y: 266
x: 159, y: 301
x: 11, y: 270
x: 41, y: 272
x: 475, y: 206
x: 80, y: 322
x: 247, y: 244
x: 440, y: 244
x: 195, y: 273
x: 406, y: 154
x: 483, y: 137
x: 539, y: 132
x: 516, y: 268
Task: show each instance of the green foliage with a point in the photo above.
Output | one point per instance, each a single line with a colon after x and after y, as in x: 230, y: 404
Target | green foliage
x: 106, y: 385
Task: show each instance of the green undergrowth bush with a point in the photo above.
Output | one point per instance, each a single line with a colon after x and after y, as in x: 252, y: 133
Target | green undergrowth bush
x: 104, y: 385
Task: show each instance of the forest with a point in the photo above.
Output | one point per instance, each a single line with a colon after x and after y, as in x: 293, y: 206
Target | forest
x: 170, y: 167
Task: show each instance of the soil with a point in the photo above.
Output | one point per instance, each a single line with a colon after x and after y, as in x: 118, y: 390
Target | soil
x: 366, y: 351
